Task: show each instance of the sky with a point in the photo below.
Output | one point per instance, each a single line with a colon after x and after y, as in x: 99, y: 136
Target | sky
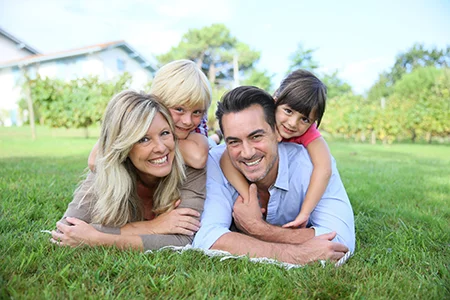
x: 359, y: 39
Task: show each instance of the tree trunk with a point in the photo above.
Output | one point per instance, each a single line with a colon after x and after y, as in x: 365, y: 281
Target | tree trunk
x: 212, y: 73
x: 413, y: 135
x: 373, y: 138
x: 236, y: 70
x: 428, y: 137
x: 86, y: 132
x: 30, y: 109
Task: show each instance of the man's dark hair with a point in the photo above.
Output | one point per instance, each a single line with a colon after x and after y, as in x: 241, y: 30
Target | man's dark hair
x: 303, y: 92
x: 242, y: 98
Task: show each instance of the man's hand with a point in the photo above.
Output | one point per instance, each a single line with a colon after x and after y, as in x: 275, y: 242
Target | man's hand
x: 319, y: 248
x: 247, y: 213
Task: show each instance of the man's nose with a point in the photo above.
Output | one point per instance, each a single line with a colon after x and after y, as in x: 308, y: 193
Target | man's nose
x: 248, y: 151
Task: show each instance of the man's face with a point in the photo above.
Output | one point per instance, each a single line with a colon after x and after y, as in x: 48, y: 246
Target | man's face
x: 252, y: 144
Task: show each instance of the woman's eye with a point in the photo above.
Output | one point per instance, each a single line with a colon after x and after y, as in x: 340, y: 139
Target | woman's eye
x: 144, y: 139
x: 165, y: 132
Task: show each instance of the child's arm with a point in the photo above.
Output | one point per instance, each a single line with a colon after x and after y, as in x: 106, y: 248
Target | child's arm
x: 92, y: 156
x: 235, y: 177
x: 194, y: 150
x: 321, y: 159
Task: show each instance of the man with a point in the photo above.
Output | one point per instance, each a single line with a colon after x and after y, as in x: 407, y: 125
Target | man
x: 280, y: 173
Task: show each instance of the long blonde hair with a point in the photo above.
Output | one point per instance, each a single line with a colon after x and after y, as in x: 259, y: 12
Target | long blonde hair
x: 126, y: 120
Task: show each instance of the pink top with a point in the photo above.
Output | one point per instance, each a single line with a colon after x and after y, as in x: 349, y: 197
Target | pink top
x: 310, y: 135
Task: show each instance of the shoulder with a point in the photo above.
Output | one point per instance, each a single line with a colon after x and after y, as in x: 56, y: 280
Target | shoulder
x: 294, y: 152
x: 215, y: 153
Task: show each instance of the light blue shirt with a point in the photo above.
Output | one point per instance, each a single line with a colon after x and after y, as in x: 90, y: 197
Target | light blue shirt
x: 332, y: 213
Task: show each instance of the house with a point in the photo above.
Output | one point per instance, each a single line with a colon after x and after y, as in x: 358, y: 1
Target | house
x: 106, y: 60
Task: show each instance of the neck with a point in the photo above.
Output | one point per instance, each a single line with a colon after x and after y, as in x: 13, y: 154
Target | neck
x: 148, y: 181
x: 268, y: 180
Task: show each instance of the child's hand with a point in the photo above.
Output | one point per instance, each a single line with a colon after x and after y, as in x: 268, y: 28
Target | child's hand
x: 300, y: 221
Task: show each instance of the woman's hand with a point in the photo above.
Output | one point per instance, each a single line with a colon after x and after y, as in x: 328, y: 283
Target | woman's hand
x: 79, y: 233
x: 177, y: 221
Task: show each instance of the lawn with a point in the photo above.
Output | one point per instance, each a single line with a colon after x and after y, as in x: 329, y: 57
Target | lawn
x: 400, y: 196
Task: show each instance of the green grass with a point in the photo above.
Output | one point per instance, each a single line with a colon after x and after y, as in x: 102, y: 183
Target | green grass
x: 400, y: 195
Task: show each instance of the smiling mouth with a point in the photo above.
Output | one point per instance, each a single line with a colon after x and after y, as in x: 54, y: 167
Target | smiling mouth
x: 159, y: 161
x: 184, y: 129
x: 253, y: 163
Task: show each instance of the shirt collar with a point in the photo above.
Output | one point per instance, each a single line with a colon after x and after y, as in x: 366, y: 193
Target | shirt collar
x: 282, y: 181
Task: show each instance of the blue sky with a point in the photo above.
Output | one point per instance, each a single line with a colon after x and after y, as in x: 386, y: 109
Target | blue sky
x: 360, y: 39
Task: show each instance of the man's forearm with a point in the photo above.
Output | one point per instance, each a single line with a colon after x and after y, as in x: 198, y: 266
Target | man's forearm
x: 275, y: 234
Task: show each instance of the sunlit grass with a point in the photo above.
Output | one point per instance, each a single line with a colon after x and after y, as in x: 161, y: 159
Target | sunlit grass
x: 400, y: 195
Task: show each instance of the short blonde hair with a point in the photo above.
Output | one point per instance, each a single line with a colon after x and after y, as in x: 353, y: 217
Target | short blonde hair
x: 127, y: 118
x: 182, y: 83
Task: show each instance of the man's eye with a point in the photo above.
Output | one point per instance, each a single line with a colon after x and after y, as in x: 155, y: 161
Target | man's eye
x: 257, y: 137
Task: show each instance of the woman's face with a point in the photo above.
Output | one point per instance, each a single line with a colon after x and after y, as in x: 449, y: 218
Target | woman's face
x: 153, y: 154
x: 186, y: 119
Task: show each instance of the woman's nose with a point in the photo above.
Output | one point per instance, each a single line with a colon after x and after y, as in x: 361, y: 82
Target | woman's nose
x: 159, y: 146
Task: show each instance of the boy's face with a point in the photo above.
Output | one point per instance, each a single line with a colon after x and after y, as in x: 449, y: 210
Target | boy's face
x: 186, y: 119
x: 291, y: 123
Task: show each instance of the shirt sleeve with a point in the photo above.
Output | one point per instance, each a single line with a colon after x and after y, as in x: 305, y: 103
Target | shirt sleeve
x: 310, y: 135
x: 334, y: 212
x: 193, y: 193
x: 217, y: 217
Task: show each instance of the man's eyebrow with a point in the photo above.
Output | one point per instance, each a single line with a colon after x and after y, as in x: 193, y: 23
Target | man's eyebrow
x: 255, y: 132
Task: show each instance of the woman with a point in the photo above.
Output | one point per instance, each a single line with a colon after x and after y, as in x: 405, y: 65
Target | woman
x: 141, y: 195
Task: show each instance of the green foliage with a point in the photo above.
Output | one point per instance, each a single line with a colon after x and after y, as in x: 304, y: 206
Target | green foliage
x: 75, y: 104
x: 213, y: 48
x: 302, y: 58
x: 260, y: 79
x: 335, y: 85
x: 398, y: 192
x: 417, y: 108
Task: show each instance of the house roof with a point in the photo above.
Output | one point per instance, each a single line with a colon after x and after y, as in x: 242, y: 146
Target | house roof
x: 19, y: 43
x: 33, y: 59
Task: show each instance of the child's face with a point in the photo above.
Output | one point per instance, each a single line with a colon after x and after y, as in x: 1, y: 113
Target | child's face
x: 186, y: 119
x: 291, y: 123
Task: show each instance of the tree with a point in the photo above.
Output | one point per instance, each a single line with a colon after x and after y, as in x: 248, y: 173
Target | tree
x: 302, y: 59
x: 260, y: 79
x: 335, y: 85
x: 213, y: 48
x: 75, y: 104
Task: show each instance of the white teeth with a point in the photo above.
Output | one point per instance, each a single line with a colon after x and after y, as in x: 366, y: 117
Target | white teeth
x: 253, y: 162
x: 159, y: 161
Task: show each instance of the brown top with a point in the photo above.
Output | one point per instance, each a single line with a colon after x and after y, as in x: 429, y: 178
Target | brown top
x: 193, y: 193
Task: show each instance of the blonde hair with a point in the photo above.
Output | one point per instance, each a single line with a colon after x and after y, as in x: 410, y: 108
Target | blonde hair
x: 182, y: 83
x: 127, y: 119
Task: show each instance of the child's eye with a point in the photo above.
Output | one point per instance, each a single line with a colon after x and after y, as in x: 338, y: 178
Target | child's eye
x: 288, y: 111
x: 305, y: 120
x: 198, y: 112
x: 179, y: 109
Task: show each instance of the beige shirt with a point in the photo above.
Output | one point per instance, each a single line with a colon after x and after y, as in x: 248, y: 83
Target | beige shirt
x: 193, y: 193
